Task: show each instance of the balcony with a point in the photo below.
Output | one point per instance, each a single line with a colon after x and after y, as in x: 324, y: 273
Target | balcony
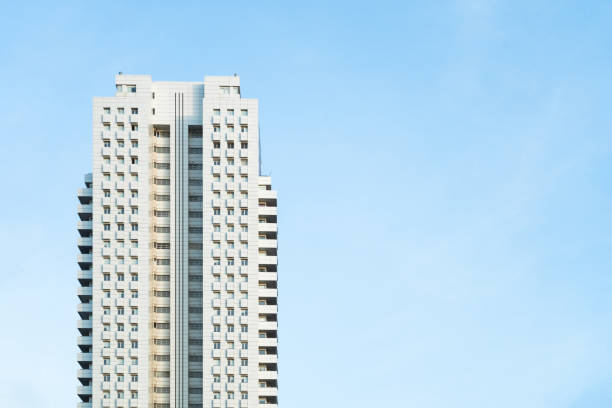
x: 84, y: 209
x: 84, y: 260
x: 268, y: 358
x: 267, y: 341
x: 264, y: 325
x: 84, y: 292
x: 268, y: 375
x: 84, y: 242
x: 267, y: 243
x: 84, y: 373
x: 266, y: 276
x: 84, y: 405
x: 244, y: 136
x: 267, y: 309
x: 267, y: 210
x: 267, y: 227
x: 84, y: 324
x: 84, y: 275
x: 84, y: 192
x: 84, y: 357
x: 84, y: 309
x: 267, y: 194
x: 266, y: 260
x: 84, y: 341
x: 84, y: 226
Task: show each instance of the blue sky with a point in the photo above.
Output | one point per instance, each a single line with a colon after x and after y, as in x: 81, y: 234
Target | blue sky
x: 443, y: 171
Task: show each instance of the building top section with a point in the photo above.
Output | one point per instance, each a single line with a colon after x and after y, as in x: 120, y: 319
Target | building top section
x: 214, y: 86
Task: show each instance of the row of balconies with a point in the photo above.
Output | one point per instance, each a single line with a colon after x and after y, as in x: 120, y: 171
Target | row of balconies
x: 119, y: 118
x: 119, y: 134
x: 217, y: 186
x: 119, y: 168
x: 84, y: 309
x: 110, y: 268
x: 231, y: 236
x: 230, y: 203
x: 230, y: 269
x: 231, y: 302
x: 231, y: 286
x: 230, y: 170
x: 230, y: 136
x: 244, y: 370
x: 120, y: 201
x: 120, y: 235
x: 230, y: 219
x: 120, y: 151
x: 120, y: 252
x: 242, y: 119
x: 217, y: 386
x: 120, y: 185
x: 230, y: 252
x: 244, y: 153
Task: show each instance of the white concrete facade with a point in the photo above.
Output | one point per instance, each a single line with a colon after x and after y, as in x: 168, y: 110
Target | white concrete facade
x: 178, y: 241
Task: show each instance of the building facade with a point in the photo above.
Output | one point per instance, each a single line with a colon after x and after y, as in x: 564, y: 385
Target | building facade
x: 177, y: 251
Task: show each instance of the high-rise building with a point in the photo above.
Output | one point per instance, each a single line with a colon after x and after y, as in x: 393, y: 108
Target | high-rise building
x: 177, y: 251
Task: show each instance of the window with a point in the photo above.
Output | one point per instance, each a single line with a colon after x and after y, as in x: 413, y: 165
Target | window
x: 244, y: 112
x: 106, y: 126
x: 106, y: 110
x: 134, y: 126
x: 244, y: 128
x: 216, y: 128
x: 131, y: 88
x: 120, y: 111
x: 244, y: 211
x: 120, y: 143
x: 244, y: 145
x: 106, y: 227
x: 134, y: 111
x: 134, y: 143
x: 107, y: 143
x: 120, y: 327
x: 216, y: 211
x: 120, y: 126
x: 244, y: 261
x: 230, y: 112
x: 120, y: 344
x: 216, y: 112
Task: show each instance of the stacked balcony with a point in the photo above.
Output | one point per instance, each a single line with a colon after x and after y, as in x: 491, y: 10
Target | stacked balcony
x: 84, y: 292
x: 267, y: 295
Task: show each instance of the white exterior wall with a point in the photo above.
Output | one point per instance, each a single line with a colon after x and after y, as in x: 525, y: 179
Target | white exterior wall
x: 199, y: 104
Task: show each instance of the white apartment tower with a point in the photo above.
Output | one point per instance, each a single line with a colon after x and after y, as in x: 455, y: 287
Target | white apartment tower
x: 177, y: 251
